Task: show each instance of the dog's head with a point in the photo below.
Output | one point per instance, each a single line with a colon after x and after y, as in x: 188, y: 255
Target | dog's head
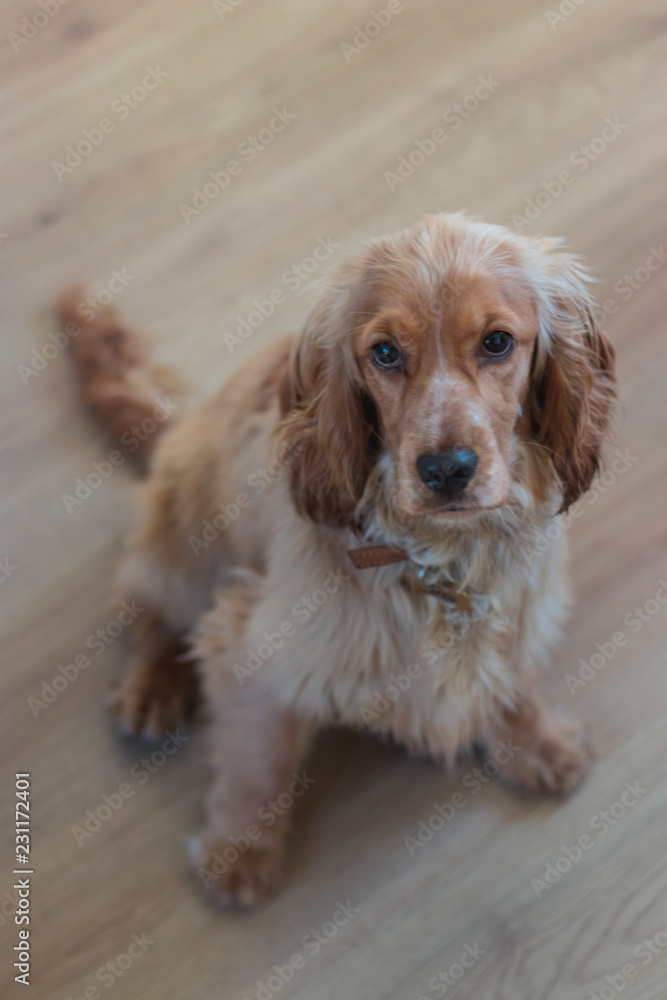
x: 444, y: 346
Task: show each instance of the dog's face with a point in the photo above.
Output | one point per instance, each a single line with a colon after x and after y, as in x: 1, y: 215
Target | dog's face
x: 443, y: 347
x: 449, y: 374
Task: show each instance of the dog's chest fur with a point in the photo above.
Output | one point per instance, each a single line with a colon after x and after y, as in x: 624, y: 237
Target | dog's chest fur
x: 364, y: 650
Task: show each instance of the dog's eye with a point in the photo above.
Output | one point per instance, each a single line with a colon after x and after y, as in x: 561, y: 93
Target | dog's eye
x: 387, y: 355
x: 498, y: 344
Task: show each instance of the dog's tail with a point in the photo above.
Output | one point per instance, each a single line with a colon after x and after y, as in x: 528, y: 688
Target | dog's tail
x: 128, y: 393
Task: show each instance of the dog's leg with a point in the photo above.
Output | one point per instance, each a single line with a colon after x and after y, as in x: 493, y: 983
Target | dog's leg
x: 258, y: 750
x: 159, y: 688
x: 546, y: 750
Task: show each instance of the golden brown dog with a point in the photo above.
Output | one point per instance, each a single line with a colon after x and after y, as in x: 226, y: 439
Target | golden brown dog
x: 446, y: 400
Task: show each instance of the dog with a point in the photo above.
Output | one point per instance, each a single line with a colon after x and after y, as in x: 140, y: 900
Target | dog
x: 351, y: 527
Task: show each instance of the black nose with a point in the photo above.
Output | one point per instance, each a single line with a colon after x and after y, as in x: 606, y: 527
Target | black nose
x: 449, y: 472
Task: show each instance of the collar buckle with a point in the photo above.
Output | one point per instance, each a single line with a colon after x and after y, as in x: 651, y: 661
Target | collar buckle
x: 430, y: 582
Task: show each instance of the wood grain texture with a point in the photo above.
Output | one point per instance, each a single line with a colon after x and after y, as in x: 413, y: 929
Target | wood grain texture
x: 323, y: 177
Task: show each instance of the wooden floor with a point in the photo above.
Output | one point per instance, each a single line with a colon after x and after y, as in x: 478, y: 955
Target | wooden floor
x: 359, y: 102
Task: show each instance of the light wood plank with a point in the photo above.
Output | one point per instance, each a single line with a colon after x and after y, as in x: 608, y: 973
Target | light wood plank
x: 323, y: 176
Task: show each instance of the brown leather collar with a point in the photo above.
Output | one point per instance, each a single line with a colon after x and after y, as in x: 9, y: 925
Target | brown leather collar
x: 377, y: 555
x: 371, y: 556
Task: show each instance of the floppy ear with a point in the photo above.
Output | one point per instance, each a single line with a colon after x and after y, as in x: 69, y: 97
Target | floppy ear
x: 573, y: 384
x: 328, y: 420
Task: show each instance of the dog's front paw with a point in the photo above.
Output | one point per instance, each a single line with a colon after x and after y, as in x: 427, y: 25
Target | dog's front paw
x: 148, y: 701
x: 238, y: 874
x: 555, y: 761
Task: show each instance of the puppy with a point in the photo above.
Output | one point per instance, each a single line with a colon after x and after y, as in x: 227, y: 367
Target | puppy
x: 350, y: 528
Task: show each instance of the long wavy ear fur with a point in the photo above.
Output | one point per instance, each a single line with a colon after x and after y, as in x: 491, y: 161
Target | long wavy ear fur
x: 328, y: 421
x: 574, y: 387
